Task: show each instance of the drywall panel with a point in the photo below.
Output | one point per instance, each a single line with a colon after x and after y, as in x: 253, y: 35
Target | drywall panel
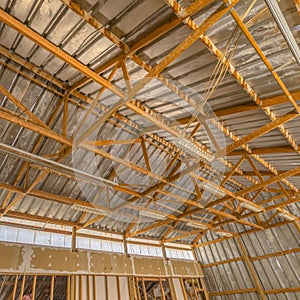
x: 106, y: 263
x: 149, y: 266
x: 124, y: 289
x: 32, y: 259
x: 77, y: 284
x: 100, y: 287
x: 58, y: 260
x: 84, y: 287
x: 91, y: 286
x: 112, y: 288
x: 177, y: 288
x: 11, y: 257
x: 184, y: 268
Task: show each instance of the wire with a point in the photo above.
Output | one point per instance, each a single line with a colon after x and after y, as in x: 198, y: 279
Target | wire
x: 86, y: 40
x: 220, y: 70
x: 75, y: 53
x: 32, y: 105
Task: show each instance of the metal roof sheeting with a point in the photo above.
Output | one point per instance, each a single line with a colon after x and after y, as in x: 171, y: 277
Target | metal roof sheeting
x: 164, y: 112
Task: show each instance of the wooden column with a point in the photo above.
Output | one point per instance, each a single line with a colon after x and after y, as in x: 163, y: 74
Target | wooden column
x: 74, y: 237
x: 251, y: 268
x: 164, y: 252
x: 125, y: 245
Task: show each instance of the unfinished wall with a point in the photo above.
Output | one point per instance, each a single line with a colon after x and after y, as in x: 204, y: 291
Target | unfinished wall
x: 42, y: 272
x: 262, y: 265
x: 42, y: 260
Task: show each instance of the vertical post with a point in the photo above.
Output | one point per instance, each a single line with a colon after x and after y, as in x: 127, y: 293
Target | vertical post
x: 203, y: 285
x: 52, y: 288
x: 136, y: 282
x: 163, y: 248
x: 194, y: 288
x: 183, y: 289
x: 69, y: 287
x: 250, y: 266
x: 33, y: 288
x: 22, y: 287
x: 144, y: 289
x: 125, y: 245
x: 297, y: 225
x: 162, y: 290
x: 195, y: 254
x: 172, y: 289
x: 94, y: 287
x: 74, y: 237
x: 134, y: 289
x: 73, y: 287
x: 15, y: 287
x: 164, y: 252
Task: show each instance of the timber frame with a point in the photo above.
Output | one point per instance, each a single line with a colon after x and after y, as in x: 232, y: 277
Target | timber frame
x: 250, y: 177
x: 67, y: 94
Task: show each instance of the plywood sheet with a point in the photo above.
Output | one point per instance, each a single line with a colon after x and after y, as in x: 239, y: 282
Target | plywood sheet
x: 124, y: 289
x: 59, y: 260
x: 149, y: 266
x: 11, y: 257
x: 105, y: 263
x: 184, y: 268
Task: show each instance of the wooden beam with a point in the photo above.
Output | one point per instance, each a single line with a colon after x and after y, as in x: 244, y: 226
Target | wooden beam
x: 240, y: 234
x: 233, y: 292
x: 231, y: 69
x: 263, y: 150
x: 74, y: 239
x: 34, y: 287
x: 277, y: 100
x: 22, y: 107
x: 251, y: 290
x: 263, y: 162
x: 284, y: 290
x: 195, y: 7
x: 52, y: 287
x: 255, y: 169
x: 31, y: 68
x: 258, y: 132
x: 258, y: 186
x: 127, y: 51
x: 222, y: 262
x: 38, y: 39
x: 252, y: 258
x: 297, y: 3
x: 223, y: 112
x: 267, y: 63
x: 25, y: 216
x: 275, y: 254
x: 145, y: 155
x: 24, y: 123
x: 188, y: 42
